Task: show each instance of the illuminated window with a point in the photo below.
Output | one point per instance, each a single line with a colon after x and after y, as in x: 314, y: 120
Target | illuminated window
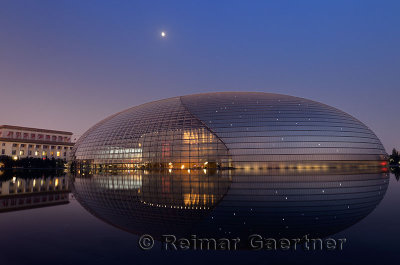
x: 58, y: 153
x: 36, y: 153
x: 44, y: 153
x: 21, y: 152
x: 52, y: 153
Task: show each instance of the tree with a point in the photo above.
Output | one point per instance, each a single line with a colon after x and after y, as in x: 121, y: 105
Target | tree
x: 7, y: 162
x: 394, y: 158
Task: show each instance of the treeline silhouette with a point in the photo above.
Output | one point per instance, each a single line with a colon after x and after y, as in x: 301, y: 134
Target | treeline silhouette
x: 7, y: 162
x: 394, y: 162
x: 394, y: 158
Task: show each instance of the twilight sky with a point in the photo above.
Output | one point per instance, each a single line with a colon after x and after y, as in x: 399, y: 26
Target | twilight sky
x: 66, y: 65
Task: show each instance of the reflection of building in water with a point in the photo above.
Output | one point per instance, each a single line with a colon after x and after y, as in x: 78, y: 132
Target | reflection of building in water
x: 195, y: 190
x: 299, y: 203
x: 132, y: 198
x: 25, y: 193
x: 233, y: 129
x: 232, y: 202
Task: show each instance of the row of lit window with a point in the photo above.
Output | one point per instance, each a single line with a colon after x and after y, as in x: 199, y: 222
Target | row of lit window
x: 38, y: 146
x: 36, y: 153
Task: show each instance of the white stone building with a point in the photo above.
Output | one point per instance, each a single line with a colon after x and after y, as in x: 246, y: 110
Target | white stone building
x: 20, y: 142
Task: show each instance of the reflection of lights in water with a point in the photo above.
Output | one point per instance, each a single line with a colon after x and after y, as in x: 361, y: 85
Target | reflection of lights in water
x: 27, y: 185
x: 121, y: 182
x: 191, y: 199
x: 179, y: 202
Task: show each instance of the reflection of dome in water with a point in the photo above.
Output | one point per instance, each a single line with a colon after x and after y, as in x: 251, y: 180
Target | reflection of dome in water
x: 231, y: 129
x: 233, y: 203
x: 138, y: 202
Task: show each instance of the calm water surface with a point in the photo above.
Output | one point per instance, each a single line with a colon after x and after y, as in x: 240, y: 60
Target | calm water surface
x: 98, y: 219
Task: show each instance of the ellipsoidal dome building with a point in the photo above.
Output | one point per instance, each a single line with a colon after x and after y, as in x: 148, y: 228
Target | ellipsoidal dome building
x: 230, y: 130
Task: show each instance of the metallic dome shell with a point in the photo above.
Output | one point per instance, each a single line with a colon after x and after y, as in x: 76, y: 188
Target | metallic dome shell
x: 230, y: 130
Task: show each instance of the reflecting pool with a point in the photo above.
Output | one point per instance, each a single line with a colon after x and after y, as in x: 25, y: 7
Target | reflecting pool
x: 99, y: 217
